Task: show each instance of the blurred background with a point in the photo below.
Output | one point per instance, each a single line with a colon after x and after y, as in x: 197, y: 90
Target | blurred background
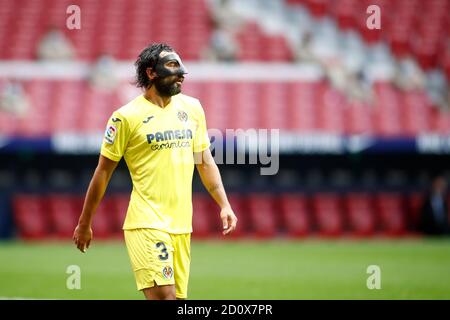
x: 364, y: 119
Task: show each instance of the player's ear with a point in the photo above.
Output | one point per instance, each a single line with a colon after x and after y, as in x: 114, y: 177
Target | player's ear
x: 150, y: 73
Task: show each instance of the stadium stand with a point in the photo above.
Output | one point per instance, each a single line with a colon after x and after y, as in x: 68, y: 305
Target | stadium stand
x: 359, y: 214
x: 263, y: 215
x: 328, y: 214
x: 294, y: 215
x: 305, y: 108
x: 390, y: 208
x: 202, y: 221
x: 31, y: 217
x: 63, y: 211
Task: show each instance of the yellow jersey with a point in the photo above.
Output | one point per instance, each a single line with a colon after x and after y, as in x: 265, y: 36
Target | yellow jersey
x: 157, y: 145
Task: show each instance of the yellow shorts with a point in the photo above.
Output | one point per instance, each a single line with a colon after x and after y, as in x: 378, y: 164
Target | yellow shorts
x: 161, y: 257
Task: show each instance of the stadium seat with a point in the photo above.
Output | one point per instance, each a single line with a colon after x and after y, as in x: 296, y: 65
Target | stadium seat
x: 119, y: 202
x: 263, y: 217
x: 330, y: 110
x: 203, y: 223
x: 302, y: 106
x: 216, y: 105
x: 9, y: 124
x: 31, y: 216
x: 360, y: 216
x: 416, y: 113
x: 318, y: 8
x: 391, y: 213
x: 441, y: 121
x: 249, y: 39
x: 240, y: 208
x: 359, y: 119
x: 328, y: 215
x: 387, y: 113
x: 64, y: 211
x: 295, y: 215
x: 414, y: 204
x: 244, y: 105
x: 104, y: 23
x: 273, y: 105
x: 103, y: 224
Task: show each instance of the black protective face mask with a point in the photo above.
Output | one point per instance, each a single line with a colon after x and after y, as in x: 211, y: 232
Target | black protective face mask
x: 162, y: 71
x: 165, y: 88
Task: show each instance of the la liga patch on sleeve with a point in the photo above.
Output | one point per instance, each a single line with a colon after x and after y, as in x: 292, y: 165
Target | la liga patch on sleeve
x: 110, y: 134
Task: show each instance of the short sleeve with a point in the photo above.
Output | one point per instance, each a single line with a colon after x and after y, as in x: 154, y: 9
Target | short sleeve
x: 201, y: 138
x: 116, y: 137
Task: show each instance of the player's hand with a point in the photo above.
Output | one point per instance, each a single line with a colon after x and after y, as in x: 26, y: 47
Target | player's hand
x: 82, y: 237
x: 229, y: 220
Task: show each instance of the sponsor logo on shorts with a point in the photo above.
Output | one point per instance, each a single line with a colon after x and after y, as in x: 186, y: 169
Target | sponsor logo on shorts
x: 110, y: 134
x: 167, y: 272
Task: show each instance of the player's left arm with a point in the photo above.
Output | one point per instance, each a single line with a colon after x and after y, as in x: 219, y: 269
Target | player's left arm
x: 210, y: 176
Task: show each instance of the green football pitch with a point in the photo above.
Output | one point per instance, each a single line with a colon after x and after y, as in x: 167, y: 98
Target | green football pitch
x: 310, y: 269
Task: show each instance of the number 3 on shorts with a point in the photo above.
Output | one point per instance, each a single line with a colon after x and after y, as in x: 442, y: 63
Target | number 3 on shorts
x: 165, y: 254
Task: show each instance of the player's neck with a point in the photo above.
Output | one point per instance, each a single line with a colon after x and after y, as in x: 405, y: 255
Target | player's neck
x: 154, y: 97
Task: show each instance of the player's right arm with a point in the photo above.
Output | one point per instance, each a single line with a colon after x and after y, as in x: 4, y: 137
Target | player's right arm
x: 113, y: 147
x: 97, y: 187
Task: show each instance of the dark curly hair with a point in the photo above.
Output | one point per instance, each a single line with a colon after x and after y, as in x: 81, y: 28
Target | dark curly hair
x: 148, y: 59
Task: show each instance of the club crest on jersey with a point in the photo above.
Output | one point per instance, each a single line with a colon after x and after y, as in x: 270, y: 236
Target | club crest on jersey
x: 167, y: 272
x: 182, y: 116
x: 110, y: 134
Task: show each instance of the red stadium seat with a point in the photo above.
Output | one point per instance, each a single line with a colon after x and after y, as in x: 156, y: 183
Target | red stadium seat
x: 240, y: 208
x: 273, y: 105
x: 346, y: 12
x: 416, y: 113
x: 8, y: 124
x: 360, y: 216
x: 302, y: 105
x: 66, y: 105
x: 414, y: 205
x: 391, y: 213
x: 318, y: 8
x: 359, y: 119
x: 244, y: 107
x: 262, y: 215
x: 250, y: 42
x: 328, y: 215
x: 64, y: 211
x: 103, y: 226
x: 387, y: 113
x: 216, y: 105
x: 330, y: 110
x: 441, y: 121
x: 203, y: 223
x: 295, y: 214
x: 119, y: 202
x: 31, y: 216
x: 108, y: 26
x: 276, y: 48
